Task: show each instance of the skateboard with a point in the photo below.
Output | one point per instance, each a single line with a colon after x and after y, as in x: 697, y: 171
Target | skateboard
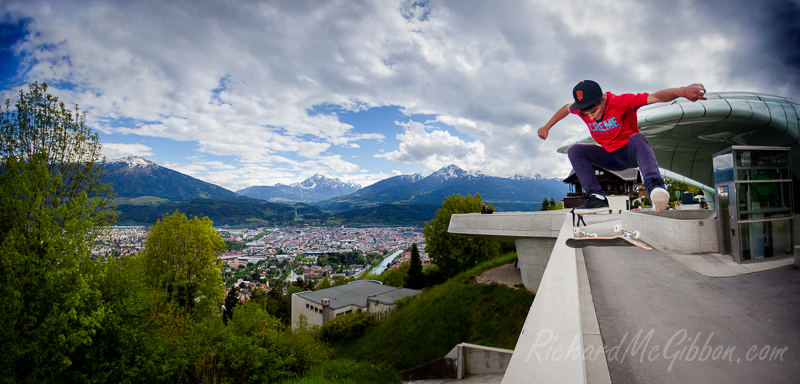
x: 591, y: 240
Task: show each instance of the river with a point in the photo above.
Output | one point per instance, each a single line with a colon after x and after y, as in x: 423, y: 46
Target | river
x: 386, y: 260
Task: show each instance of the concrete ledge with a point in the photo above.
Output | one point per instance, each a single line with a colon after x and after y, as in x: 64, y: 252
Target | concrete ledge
x: 508, y: 226
x: 550, y: 347
x: 684, y: 232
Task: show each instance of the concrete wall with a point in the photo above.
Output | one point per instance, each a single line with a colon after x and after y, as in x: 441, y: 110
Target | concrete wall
x: 685, y: 232
x: 376, y: 307
x: 313, y: 317
x: 480, y: 360
x: 618, y: 204
x: 534, y: 234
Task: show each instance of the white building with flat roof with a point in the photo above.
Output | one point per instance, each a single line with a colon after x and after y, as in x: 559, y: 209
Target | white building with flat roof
x: 322, y: 306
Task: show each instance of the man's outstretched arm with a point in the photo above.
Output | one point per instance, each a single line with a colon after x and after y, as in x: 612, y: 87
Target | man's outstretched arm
x: 560, y: 114
x: 693, y: 92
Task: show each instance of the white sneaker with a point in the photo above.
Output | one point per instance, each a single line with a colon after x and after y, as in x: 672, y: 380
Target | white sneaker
x: 660, y: 199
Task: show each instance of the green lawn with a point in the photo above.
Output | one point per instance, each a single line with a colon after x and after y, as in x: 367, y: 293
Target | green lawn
x: 345, y: 371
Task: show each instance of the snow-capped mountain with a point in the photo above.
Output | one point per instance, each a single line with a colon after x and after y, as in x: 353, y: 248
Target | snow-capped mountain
x: 448, y: 173
x: 519, y: 192
x: 313, y: 189
x: 319, y: 182
x: 132, y: 162
x: 135, y: 176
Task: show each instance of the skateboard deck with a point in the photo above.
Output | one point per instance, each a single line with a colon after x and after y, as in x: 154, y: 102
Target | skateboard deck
x: 616, y: 241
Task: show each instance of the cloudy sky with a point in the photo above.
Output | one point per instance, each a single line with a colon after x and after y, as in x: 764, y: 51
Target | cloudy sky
x: 243, y: 93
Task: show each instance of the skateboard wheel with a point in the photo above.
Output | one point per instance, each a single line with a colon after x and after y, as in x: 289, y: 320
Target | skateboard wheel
x: 617, y: 229
x: 636, y: 234
x: 576, y: 231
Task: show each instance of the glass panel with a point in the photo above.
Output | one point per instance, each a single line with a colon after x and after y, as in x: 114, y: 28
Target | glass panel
x: 766, y: 239
x: 723, y: 168
x: 764, y: 200
x: 780, y: 240
x: 748, y: 159
x: 763, y: 174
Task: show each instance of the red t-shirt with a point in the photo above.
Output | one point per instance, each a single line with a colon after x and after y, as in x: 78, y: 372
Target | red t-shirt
x: 619, y: 120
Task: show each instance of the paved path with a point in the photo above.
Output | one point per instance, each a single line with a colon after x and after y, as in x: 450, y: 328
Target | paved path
x: 741, y: 329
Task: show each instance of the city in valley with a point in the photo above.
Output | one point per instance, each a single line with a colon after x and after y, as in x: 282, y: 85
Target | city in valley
x: 269, y: 257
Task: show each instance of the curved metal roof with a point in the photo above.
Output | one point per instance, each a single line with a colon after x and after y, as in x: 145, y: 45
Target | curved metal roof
x: 684, y: 135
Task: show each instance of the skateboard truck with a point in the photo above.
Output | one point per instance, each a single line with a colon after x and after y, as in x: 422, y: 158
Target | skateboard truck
x: 626, y: 233
x: 580, y: 234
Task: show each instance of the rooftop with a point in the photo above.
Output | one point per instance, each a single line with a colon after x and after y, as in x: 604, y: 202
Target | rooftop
x: 389, y: 297
x: 353, y: 293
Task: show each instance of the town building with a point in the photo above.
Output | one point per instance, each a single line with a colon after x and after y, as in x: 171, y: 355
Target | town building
x: 321, y: 306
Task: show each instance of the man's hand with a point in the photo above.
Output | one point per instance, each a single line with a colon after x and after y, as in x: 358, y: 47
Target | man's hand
x: 694, y: 92
x: 543, y: 131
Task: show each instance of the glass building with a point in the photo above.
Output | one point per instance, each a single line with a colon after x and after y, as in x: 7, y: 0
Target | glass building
x: 754, y: 206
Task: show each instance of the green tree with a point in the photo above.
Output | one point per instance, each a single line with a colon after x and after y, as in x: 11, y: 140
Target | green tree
x: 545, y: 205
x: 551, y: 205
x: 180, y: 256
x: 415, y: 279
x: 676, y: 186
x: 395, y: 277
x: 231, y: 300
x: 455, y: 253
x: 53, y: 204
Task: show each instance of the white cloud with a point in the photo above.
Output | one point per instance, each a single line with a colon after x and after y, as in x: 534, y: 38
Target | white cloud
x: 240, y: 80
x: 116, y: 150
x: 435, y: 148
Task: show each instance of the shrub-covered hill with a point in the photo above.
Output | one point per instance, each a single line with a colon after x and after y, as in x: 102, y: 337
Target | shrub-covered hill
x: 456, y: 311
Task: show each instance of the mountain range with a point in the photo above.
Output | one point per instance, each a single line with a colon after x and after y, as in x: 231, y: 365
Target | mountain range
x: 136, y: 179
x: 516, y: 193
x: 313, y: 189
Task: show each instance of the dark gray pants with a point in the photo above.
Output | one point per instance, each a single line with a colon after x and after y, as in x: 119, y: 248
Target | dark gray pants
x: 636, y: 154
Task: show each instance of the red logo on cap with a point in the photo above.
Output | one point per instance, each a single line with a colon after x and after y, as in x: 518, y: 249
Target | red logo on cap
x: 580, y: 95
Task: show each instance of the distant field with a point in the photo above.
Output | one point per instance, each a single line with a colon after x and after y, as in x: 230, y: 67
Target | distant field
x: 142, y: 200
x: 457, y: 311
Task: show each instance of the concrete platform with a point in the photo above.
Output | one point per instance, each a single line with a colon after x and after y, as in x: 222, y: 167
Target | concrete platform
x: 666, y: 319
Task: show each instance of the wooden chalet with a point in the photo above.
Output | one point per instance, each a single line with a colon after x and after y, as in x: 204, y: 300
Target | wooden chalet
x: 614, y: 183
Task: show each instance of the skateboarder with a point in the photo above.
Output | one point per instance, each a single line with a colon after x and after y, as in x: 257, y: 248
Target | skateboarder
x: 612, y: 122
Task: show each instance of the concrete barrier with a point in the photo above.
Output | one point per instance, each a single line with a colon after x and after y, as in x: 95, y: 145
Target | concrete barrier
x: 534, y: 234
x: 684, y: 232
x: 797, y: 256
x: 463, y: 359
x: 550, y: 347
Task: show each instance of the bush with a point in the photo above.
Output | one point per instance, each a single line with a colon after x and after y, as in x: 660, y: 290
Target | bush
x: 348, y: 327
x: 343, y: 371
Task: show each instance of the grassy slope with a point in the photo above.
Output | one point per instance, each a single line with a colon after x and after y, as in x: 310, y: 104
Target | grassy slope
x: 457, y: 311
